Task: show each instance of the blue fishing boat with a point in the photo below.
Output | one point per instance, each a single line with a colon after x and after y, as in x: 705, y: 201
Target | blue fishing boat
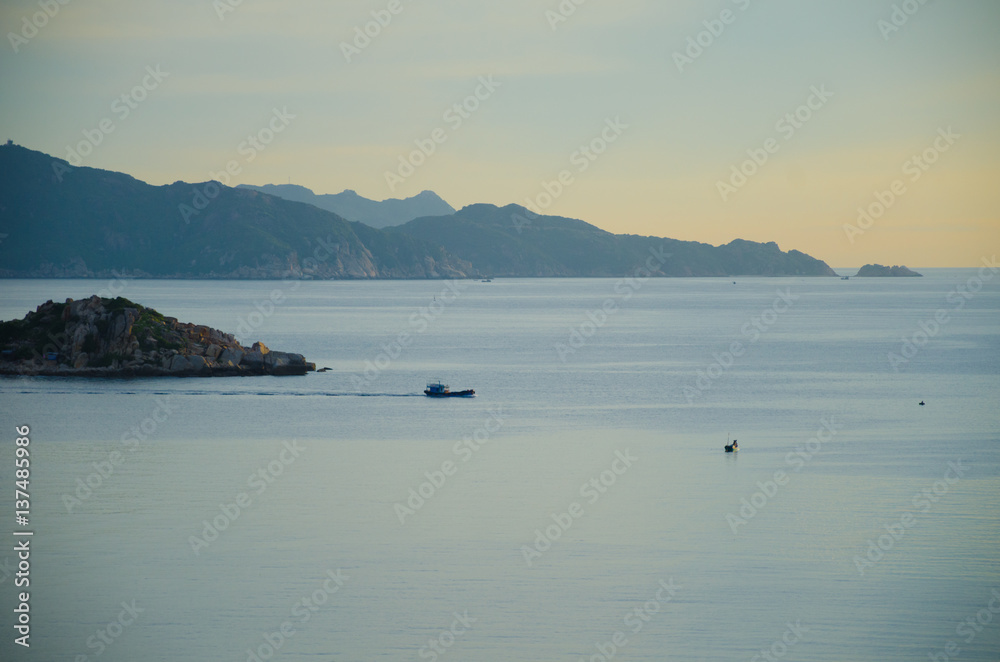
x: 441, y: 390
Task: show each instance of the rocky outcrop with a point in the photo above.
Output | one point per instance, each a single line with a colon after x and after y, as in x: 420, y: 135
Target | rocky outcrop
x: 98, y: 337
x: 877, y: 270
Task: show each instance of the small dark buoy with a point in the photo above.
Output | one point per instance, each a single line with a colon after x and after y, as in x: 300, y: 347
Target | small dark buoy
x: 921, y: 403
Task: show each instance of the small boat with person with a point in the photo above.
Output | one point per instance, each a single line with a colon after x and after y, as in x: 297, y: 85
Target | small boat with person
x: 442, y: 390
x: 733, y: 447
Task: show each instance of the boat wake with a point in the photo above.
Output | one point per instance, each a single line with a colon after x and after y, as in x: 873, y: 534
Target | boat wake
x: 301, y: 394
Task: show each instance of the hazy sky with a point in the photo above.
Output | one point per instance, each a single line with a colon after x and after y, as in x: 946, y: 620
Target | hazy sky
x: 671, y: 117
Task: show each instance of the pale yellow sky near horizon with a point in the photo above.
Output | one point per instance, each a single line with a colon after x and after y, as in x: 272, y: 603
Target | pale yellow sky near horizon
x: 647, y: 112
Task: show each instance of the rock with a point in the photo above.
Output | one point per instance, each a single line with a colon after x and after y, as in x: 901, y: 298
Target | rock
x: 179, y: 363
x: 277, y: 363
x: 231, y: 355
x: 253, y: 360
x: 878, y: 270
x: 82, y: 331
x: 284, y: 363
x: 260, y: 347
x: 81, y: 361
x: 213, y: 351
x: 119, y: 327
x: 198, y: 363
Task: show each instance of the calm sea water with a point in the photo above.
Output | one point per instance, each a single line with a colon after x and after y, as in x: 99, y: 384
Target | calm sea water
x: 872, y: 538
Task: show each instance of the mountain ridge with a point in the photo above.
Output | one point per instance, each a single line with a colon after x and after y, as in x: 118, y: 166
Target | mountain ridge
x: 79, y: 222
x: 65, y: 221
x: 354, y: 207
x: 509, y: 240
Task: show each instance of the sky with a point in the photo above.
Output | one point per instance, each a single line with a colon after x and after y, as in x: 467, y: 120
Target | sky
x: 857, y: 131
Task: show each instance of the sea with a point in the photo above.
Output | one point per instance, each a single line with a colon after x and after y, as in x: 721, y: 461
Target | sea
x: 579, y: 507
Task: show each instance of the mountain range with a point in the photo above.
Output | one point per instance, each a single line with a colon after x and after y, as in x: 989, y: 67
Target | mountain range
x: 354, y: 207
x: 512, y: 241
x: 65, y: 221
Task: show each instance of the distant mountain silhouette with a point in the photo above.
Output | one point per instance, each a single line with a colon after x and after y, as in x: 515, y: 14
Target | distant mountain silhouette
x: 354, y: 207
x: 59, y: 221
x: 511, y: 241
x: 63, y: 221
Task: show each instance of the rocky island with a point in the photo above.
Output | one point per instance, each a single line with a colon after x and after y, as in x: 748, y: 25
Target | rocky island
x: 99, y: 337
x: 877, y: 270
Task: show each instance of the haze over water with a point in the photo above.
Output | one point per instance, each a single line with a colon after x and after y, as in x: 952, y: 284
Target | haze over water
x: 872, y: 538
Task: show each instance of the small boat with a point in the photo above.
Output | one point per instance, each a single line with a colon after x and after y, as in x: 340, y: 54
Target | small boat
x: 733, y: 447
x: 440, y: 390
